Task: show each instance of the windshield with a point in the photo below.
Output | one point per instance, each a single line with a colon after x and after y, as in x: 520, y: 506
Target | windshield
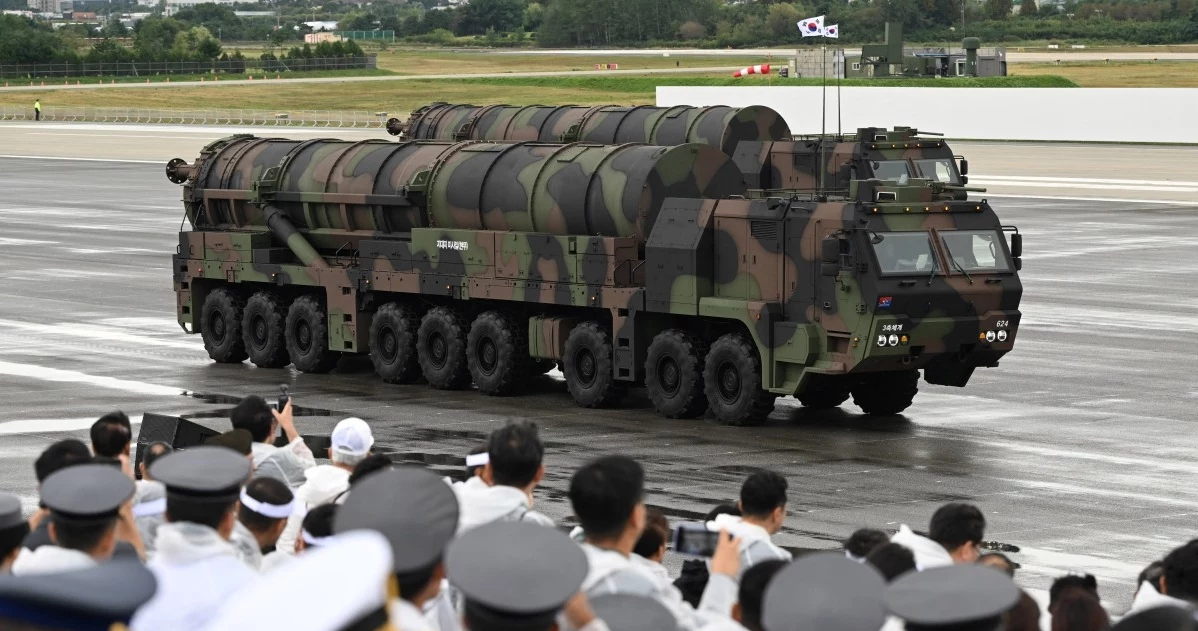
x: 975, y: 250
x: 890, y: 169
x: 905, y: 253
x: 938, y: 171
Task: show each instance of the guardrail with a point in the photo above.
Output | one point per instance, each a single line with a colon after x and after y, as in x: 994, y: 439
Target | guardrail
x: 289, y: 118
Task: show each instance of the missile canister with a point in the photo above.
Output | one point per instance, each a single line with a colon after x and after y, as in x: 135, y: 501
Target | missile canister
x: 717, y: 126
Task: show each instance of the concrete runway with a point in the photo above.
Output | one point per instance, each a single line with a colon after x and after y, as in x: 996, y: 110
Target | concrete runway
x: 1078, y: 448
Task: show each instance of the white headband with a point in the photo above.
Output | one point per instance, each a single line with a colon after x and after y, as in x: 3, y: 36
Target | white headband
x: 315, y: 541
x: 274, y: 511
x: 478, y: 460
x: 150, y: 508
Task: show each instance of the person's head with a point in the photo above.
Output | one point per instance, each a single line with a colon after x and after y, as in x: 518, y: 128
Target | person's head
x: 892, y: 560
x: 1025, y: 616
x: 154, y: 451
x: 763, y: 500
x: 863, y: 541
x: 111, y: 435
x: 959, y: 528
x: 1151, y: 575
x: 369, y: 465
x: 1179, y: 573
x: 254, y: 415
x: 722, y: 509
x: 753, y: 582
x: 1079, y: 610
x: 96, y: 539
x: 219, y: 515
x: 351, y: 443
x: 203, y: 485
x: 265, y: 507
x: 1065, y: 584
x: 998, y: 561
x: 481, y: 451
x: 515, y: 453
x: 607, y: 495
x: 13, y: 530
x: 652, y: 544
x: 84, y: 503
x: 420, y: 585
x: 60, y: 455
x: 317, y: 527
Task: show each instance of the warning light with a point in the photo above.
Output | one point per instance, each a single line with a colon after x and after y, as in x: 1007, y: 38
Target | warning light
x: 884, y: 302
x: 903, y: 340
x: 982, y: 336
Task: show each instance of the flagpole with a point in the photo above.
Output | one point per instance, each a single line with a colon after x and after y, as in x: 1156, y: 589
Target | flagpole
x: 823, y: 140
x: 839, y: 131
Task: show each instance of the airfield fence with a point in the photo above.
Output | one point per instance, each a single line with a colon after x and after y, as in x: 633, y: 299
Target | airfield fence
x: 149, y: 69
x: 288, y: 118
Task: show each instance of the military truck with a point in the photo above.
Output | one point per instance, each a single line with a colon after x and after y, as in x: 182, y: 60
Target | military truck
x: 771, y: 160
x: 485, y: 263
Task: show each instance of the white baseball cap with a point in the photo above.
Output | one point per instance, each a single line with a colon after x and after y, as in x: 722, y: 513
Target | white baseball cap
x: 352, y: 437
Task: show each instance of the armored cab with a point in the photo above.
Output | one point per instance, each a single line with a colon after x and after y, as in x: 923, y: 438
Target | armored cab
x: 487, y: 263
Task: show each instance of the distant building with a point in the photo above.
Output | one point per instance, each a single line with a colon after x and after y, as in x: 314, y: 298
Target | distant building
x: 322, y: 25
x: 45, y: 6
x: 173, y: 6
x: 316, y: 38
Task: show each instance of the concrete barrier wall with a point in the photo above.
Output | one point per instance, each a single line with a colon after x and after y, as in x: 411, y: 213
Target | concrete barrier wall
x: 1168, y: 115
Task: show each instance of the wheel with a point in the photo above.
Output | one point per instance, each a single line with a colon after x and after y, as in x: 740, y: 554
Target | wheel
x: 674, y: 374
x: 220, y: 326
x: 262, y: 327
x: 588, y: 367
x: 497, y: 354
x: 825, y: 392
x: 732, y: 380
x: 886, y: 393
x: 393, y: 343
x: 308, y: 336
x: 441, y: 349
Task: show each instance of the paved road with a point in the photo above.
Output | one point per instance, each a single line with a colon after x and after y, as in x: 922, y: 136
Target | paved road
x: 1079, y: 447
x: 478, y: 75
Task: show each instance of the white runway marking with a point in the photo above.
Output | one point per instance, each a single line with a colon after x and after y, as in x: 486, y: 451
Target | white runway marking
x: 117, y: 160
x: 36, y: 426
x: 40, y: 373
x: 108, y: 334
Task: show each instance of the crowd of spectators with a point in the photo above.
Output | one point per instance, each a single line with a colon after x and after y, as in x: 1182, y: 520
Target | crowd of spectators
x: 246, y: 531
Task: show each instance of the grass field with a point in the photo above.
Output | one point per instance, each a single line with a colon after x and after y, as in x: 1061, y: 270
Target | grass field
x: 1125, y: 74
x: 400, y: 97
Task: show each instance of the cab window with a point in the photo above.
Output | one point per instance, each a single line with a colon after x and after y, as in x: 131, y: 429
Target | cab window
x: 904, y: 253
x: 938, y: 170
x: 890, y: 169
x: 975, y: 250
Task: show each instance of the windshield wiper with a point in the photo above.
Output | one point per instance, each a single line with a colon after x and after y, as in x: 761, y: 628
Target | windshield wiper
x: 934, y: 270
x: 952, y: 257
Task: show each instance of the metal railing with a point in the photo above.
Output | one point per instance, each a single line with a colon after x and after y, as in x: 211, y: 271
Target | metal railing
x: 277, y: 118
x: 145, y: 69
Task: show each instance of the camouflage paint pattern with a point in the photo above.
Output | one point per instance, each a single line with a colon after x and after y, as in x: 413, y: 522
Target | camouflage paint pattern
x: 648, y: 237
x: 717, y: 126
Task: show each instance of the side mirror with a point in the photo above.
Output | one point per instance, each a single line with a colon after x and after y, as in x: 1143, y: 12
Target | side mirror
x: 830, y: 250
x: 964, y: 180
x: 964, y: 166
x: 1018, y: 264
x: 1016, y: 245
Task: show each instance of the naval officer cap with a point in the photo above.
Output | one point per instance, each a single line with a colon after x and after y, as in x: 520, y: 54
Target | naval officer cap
x: 413, y: 508
x: 943, y: 597
x: 342, y: 587
x: 1162, y: 618
x: 82, y: 600
x: 202, y: 473
x: 825, y: 591
x: 515, y: 570
x: 10, y: 512
x: 629, y: 612
x: 86, y: 493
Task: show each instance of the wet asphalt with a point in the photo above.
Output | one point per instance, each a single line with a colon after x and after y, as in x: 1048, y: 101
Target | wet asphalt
x: 1079, y: 447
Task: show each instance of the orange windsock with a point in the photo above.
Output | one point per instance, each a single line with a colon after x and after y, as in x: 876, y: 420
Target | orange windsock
x: 758, y: 69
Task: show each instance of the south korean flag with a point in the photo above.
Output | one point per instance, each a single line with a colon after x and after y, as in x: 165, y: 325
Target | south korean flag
x: 832, y: 30
x: 812, y: 27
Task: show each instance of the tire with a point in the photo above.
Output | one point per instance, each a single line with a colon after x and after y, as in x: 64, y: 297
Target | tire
x: 220, y: 326
x: 308, y: 336
x: 588, y: 367
x: 441, y: 349
x: 262, y: 330
x: 732, y: 379
x: 496, y: 354
x: 886, y: 393
x: 393, y: 331
x: 674, y: 374
x: 825, y: 392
